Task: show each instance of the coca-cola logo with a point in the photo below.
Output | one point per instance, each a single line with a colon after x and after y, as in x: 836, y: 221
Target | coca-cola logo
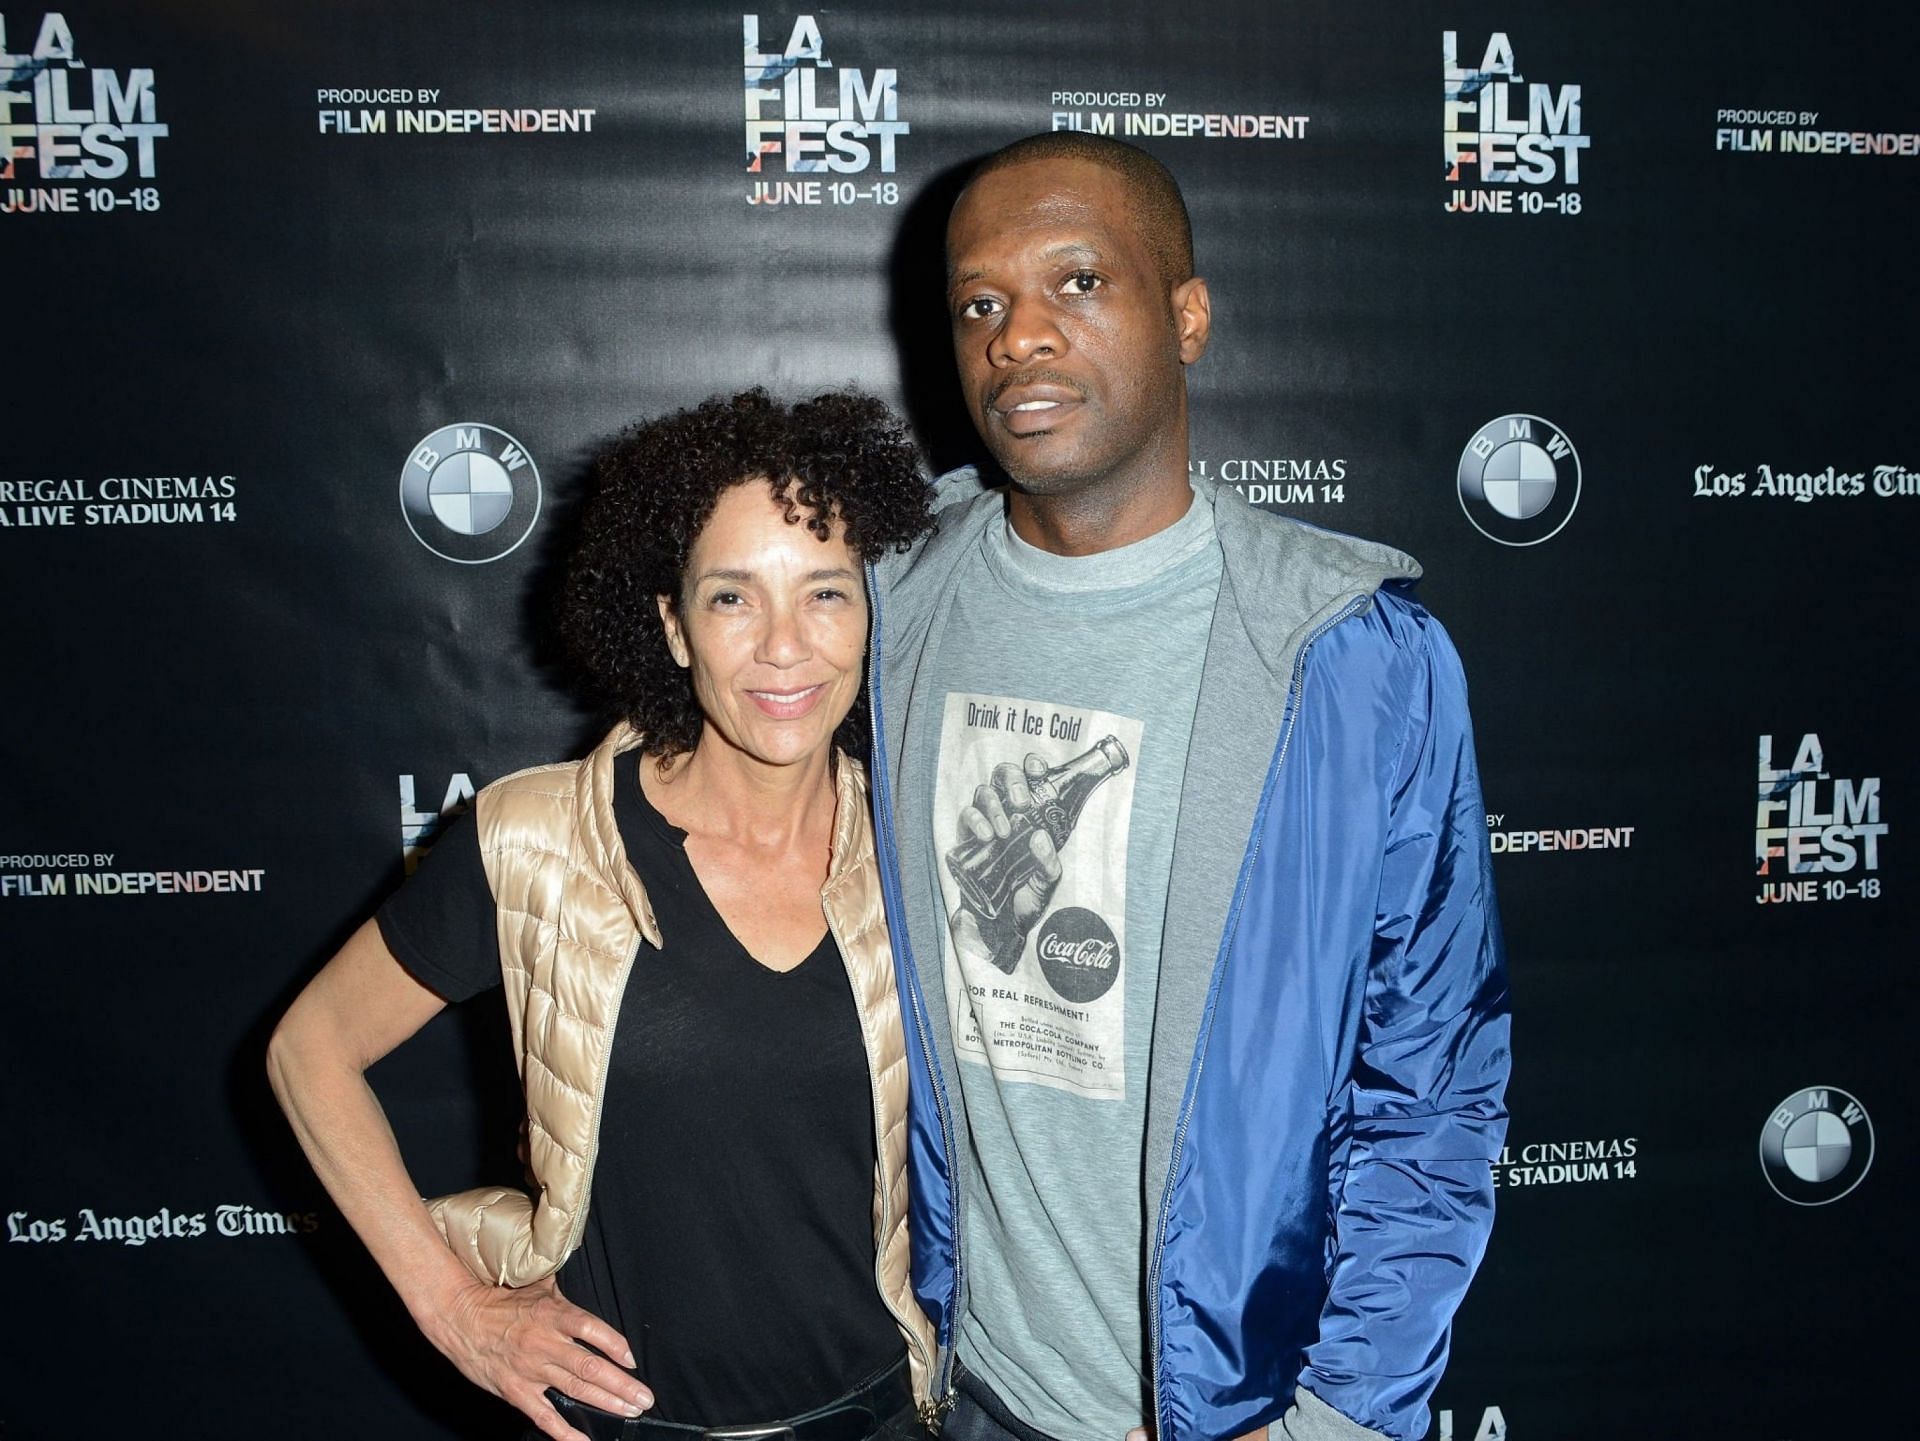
x: 1078, y: 954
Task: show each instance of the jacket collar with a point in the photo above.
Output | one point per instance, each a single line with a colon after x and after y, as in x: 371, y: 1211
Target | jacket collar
x: 599, y: 831
x: 1291, y: 576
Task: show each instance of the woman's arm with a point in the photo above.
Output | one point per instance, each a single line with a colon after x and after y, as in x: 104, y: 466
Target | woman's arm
x: 513, y: 1342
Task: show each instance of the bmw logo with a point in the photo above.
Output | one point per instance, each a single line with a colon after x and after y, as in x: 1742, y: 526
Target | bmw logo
x: 1519, y: 480
x: 470, y: 493
x: 1816, y: 1146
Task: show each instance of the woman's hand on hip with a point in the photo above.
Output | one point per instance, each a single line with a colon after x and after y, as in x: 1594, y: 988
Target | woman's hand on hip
x: 517, y: 1341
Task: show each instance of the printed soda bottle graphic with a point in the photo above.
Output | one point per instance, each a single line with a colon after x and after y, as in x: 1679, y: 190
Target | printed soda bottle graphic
x: 989, y: 871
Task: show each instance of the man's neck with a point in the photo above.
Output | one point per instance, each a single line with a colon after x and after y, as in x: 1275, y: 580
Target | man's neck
x: 1104, y: 516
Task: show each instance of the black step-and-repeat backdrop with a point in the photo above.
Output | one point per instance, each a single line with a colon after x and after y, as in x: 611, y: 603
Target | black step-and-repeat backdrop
x: 315, y: 312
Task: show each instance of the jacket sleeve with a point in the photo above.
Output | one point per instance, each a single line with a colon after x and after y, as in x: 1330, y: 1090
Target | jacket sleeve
x: 1426, y: 1112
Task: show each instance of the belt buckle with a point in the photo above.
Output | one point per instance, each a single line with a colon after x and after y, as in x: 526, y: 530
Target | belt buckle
x: 778, y: 1432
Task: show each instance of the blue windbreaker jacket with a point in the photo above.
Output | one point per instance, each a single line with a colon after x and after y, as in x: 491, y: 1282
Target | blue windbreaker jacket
x: 1330, y: 1044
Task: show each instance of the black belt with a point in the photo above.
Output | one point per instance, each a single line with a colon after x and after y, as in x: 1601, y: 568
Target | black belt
x: 853, y: 1417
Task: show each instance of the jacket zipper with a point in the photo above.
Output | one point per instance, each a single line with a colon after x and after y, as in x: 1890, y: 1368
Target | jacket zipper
x: 1200, y: 1056
x: 942, y: 1399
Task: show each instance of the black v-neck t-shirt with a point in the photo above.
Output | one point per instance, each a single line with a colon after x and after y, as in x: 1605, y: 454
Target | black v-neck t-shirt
x: 729, y: 1235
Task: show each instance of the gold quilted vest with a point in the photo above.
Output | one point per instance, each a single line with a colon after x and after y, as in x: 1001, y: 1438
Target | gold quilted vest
x: 572, y: 915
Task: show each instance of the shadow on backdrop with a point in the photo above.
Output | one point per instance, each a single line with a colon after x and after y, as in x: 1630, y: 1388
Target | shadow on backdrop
x: 922, y: 330
x: 540, y: 611
x: 454, y: 1101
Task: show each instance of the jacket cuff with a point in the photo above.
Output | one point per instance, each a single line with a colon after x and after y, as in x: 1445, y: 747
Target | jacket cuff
x: 1311, y: 1419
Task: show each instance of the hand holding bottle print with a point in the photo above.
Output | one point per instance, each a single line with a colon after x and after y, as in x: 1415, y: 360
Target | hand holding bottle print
x: 1007, y: 863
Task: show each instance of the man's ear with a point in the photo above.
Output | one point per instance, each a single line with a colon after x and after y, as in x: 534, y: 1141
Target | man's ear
x: 1193, y: 318
x: 670, y: 622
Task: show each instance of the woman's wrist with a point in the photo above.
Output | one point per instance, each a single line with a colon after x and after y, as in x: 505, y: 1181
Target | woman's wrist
x: 434, y: 1284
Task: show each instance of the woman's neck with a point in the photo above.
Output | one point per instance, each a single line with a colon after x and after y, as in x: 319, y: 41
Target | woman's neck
x: 718, y: 790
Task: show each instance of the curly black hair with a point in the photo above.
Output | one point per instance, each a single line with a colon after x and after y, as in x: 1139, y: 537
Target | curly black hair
x: 839, y: 457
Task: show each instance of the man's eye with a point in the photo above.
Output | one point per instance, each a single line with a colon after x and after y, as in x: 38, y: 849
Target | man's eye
x: 830, y: 593
x: 979, y: 308
x: 722, y: 599
x: 1083, y: 282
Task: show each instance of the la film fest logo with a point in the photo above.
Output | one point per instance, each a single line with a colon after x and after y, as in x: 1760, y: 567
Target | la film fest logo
x: 1078, y: 954
x: 1509, y: 143
x: 420, y: 829
x: 1519, y: 479
x: 807, y: 116
x: 470, y: 493
x: 1816, y: 1146
x: 1809, y: 823
x: 1492, y: 1427
x: 61, y: 120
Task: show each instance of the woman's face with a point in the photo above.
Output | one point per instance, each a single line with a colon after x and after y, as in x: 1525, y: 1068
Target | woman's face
x: 771, y: 622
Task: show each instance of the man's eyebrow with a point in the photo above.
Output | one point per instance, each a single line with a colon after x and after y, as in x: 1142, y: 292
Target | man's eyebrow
x: 1071, y: 250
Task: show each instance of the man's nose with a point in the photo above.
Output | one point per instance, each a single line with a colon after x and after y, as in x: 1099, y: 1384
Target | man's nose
x: 1031, y: 331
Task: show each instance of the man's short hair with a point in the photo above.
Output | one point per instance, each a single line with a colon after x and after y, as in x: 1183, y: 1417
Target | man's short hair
x: 1159, y: 211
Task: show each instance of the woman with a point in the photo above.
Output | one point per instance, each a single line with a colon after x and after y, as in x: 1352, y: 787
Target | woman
x: 688, y: 926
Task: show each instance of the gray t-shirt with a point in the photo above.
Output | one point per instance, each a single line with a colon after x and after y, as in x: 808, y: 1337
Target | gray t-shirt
x: 1075, y: 677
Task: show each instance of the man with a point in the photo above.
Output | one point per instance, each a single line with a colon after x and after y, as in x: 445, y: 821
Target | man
x: 1187, y: 870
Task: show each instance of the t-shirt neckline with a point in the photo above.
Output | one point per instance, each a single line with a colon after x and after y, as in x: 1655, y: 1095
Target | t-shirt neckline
x: 649, y: 816
x: 1117, y: 574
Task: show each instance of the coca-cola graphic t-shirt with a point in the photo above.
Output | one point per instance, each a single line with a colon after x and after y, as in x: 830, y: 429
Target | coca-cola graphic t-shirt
x: 1037, y: 918
x: 1056, y: 759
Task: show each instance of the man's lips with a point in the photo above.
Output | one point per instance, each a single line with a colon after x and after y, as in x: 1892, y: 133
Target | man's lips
x: 1024, y: 409
x: 787, y: 704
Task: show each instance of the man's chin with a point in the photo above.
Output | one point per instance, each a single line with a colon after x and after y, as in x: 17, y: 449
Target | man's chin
x: 1039, y: 463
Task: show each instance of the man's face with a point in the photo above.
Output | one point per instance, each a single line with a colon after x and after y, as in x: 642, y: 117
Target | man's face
x: 1070, y: 343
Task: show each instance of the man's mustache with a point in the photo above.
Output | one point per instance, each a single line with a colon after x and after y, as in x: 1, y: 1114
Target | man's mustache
x: 1033, y: 377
